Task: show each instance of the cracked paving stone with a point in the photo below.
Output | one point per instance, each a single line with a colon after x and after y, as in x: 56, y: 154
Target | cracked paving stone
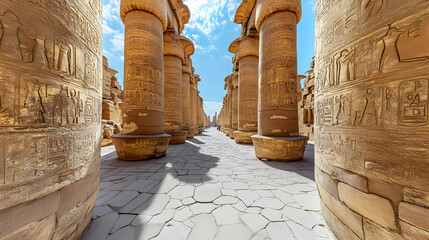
x: 279, y: 231
x: 299, y: 216
x: 101, y: 211
x: 199, y: 208
x: 148, y: 231
x: 226, y: 215
x: 254, y: 221
x: 174, y: 230
x: 153, y: 206
x: 248, y: 197
x: 301, y: 232
x: 122, y: 199
x: 122, y: 221
x: 163, y: 217
x: 269, y: 203
x: 135, y: 203
x: 206, y: 194
x: 204, y: 227
x: 182, y: 214
x: 100, y: 227
x: 234, y: 232
x: 182, y: 192
x: 126, y: 233
x: 272, y: 215
x: 142, y: 185
x: 226, y: 200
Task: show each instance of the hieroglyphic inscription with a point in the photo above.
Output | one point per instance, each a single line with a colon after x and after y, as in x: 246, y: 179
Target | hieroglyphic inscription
x: 413, y: 103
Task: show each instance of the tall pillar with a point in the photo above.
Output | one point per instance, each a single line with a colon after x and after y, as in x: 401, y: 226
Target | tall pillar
x: 143, y: 108
x: 234, y: 104
x: 173, y: 61
x: 228, y: 105
x: 246, y: 51
x: 50, y: 117
x: 278, y: 132
x: 194, y: 103
x: 186, y: 87
x: 372, y: 124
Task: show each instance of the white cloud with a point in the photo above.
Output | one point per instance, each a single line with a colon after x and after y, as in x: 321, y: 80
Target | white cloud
x: 209, y: 48
x: 207, y: 14
x: 118, y: 42
x: 122, y: 58
x: 212, y: 107
x: 111, y: 10
x: 107, y: 29
x: 312, y: 4
x: 195, y: 36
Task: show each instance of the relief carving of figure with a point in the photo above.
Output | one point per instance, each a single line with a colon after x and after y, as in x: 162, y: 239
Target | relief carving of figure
x: 34, y: 101
x: 370, y: 8
x: 9, y: 42
x: 368, y: 116
x: 344, y: 73
x: 390, y: 57
x: 341, y: 116
x: 63, y: 57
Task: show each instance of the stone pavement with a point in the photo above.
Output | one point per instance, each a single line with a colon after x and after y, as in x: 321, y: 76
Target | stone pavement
x: 208, y: 188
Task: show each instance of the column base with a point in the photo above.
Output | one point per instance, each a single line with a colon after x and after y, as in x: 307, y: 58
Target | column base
x: 190, y: 134
x: 140, y: 147
x: 279, y: 148
x: 244, y: 137
x: 231, y: 133
x: 226, y: 132
x: 177, y: 137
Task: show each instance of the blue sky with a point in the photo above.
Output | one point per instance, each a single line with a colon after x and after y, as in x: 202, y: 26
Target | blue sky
x: 212, y: 29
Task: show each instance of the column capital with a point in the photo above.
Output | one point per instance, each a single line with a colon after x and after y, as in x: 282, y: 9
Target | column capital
x: 265, y: 8
x: 155, y: 7
x: 244, y: 46
x: 172, y: 45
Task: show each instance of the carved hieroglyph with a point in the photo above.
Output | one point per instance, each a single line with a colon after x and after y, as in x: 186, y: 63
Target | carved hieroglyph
x: 143, y: 107
x: 372, y: 125
x: 50, y: 117
x: 246, y: 52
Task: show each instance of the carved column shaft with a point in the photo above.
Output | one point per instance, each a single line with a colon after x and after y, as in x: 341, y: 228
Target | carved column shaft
x: 186, y: 101
x: 248, y: 94
x: 173, y: 93
x: 278, y: 108
x: 234, y: 117
x: 143, y: 105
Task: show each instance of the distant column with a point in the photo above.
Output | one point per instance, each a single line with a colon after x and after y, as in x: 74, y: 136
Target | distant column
x: 173, y: 61
x: 278, y: 133
x: 186, y: 87
x: 246, y: 51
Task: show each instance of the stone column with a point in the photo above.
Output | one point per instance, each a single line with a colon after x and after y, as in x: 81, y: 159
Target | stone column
x: 246, y: 51
x: 228, y: 105
x: 186, y: 87
x: 200, y: 114
x: 143, y: 108
x: 234, y: 104
x: 278, y: 132
x: 173, y: 61
x: 50, y: 117
x: 194, y: 110
x: 372, y: 124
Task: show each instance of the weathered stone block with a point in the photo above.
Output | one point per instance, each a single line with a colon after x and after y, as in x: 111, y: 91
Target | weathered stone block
x: 342, y: 212
x: 374, y: 231
x: 416, y: 196
x: 328, y: 183
x: 389, y: 190
x: 411, y: 232
x: 352, y: 179
x: 376, y: 208
x: 415, y: 215
x: 336, y: 226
